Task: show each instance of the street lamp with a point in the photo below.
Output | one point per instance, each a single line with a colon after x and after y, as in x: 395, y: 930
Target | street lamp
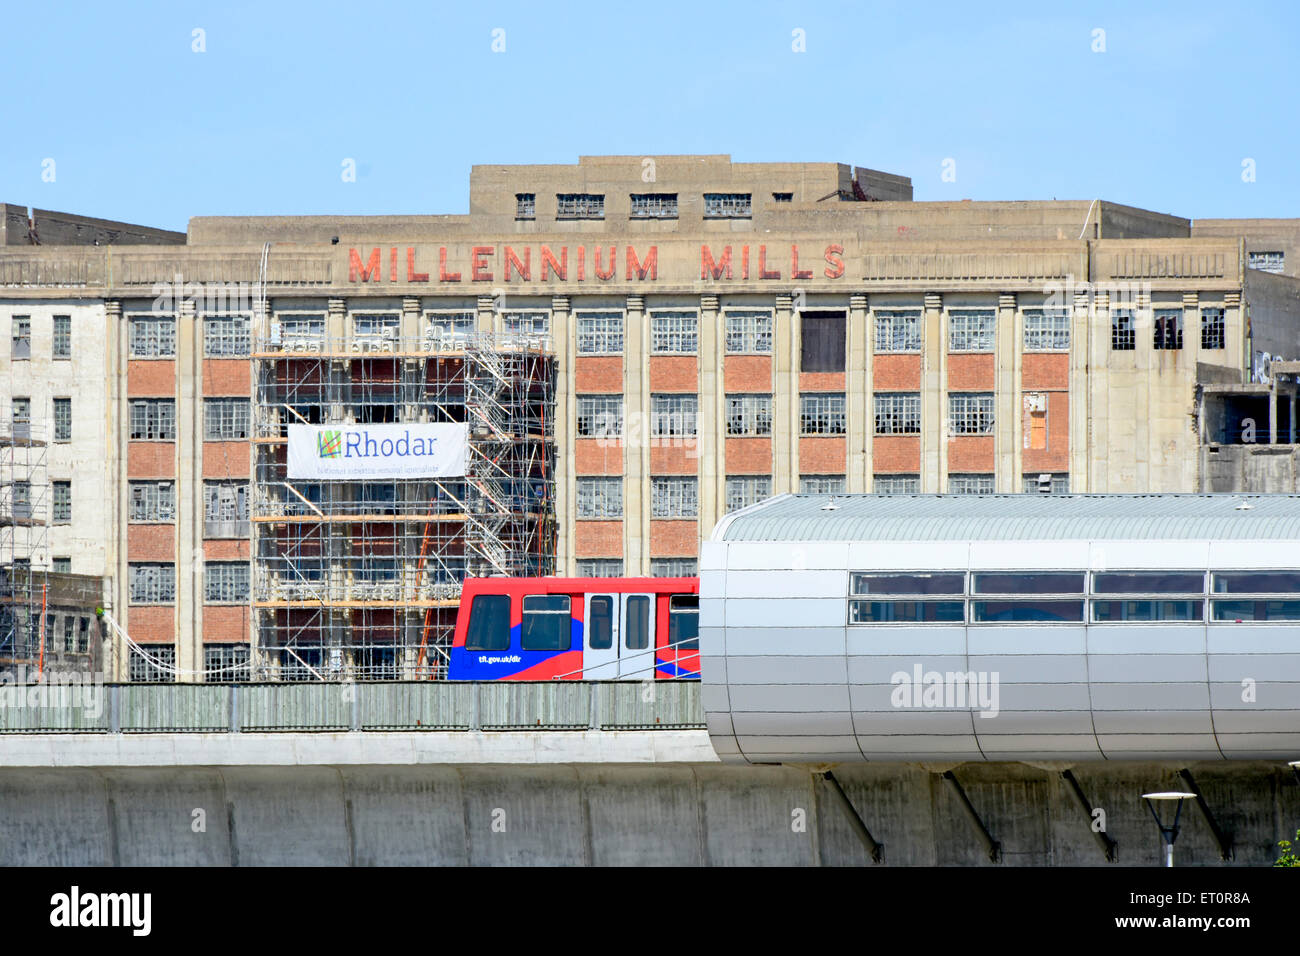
x: 1168, y: 832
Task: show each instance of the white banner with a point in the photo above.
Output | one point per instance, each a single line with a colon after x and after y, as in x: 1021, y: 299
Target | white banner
x: 378, y: 451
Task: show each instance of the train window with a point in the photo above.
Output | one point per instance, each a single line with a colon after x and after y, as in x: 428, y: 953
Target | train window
x: 684, y: 622
x: 1026, y: 611
x: 1148, y: 582
x: 547, y: 623
x: 600, y: 623
x: 1255, y: 582
x: 903, y: 612
x: 1255, y: 610
x: 489, y: 623
x: 1107, y: 611
x: 1028, y: 582
x: 636, y: 629
x: 954, y: 583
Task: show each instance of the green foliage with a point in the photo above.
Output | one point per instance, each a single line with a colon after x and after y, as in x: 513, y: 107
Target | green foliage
x: 1289, y: 857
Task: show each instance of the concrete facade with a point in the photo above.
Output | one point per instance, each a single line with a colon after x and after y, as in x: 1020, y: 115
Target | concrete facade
x: 814, y: 259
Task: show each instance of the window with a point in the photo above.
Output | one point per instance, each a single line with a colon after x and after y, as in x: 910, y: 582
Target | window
x: 63, y: 419
x: 226, y: 663
x: 1047, y: 331
x: 152, y: 583
x: 225, y: 582
x: 225, y: 509
x: 151, y: 336
x: 532, y: 324
x: 525, y: 205
x: 489, y: 623
x: 22, y: 338
x: 782, y: 197
x: 225, y: 419
x: 579, y: 205
x: 1033, y: 607
x: 600, y: 567
x: 746, y: 490
x: 62, y: 337
x: 971, y: 330
x: 654, y: 205
x: 636, y: 623
x: 600, y: 416
x: 1146, y: 596
x: 970, y: 413
x: 154, y: 419
x: 821, y: 413
x: 970, y: 484
x: 547, y: 623
x: 929, y: 582
x: 821, y: 342
x: 676, y: 497
x: 22, y: 417
x: 727, y: 205
x: 1273, y: 596
x: 749, y: 415
x: 83, y: 635
x: 674, y: 568
x: 898, y: 413
x: 62, y: 513
x: 61, y: 565
x: 1123, y: 337
x: 749, y: 332
x: 449, y: 325
x: 1047, y: 484
x: 1267, y: 261
x: 600, y: 333
x: 821, y: 484
x: 22, y: 500
x: 896, y: 484
x: 158, y: 668
x: 683, y: 618
x: 153, y: 501
x: 226, y: 335
x: 915, y: 598
x: 1255, y: 582
x: 1213, y: 328
x: 600, y: 497
x: 600, y: 623
x: 898, y: 331
x: 1169, y: 329
x: 376, y: 326
x: 674, y: 333
x: 301, y: 330
x: 673, y: 414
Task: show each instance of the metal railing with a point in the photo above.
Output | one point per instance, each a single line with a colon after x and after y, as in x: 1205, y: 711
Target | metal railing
x: 381, y: 706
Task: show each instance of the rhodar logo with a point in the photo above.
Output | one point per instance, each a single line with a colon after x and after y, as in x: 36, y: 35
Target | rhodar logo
x: 329, y: 445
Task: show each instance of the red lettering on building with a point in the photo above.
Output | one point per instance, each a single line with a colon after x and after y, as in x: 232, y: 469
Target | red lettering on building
x: 525, y: 268
x: 795, y: 271
x: 549, y: 265
x: 392, y: 264
x: 834, y: 264
x: 582, y: 263
x: 477, y: 265
x: 763, y: 271
x: 613, y: 265
x: 370, y: 272
x: 708, y: 267
x: 744, y: 262
x: 411, y: 274
x: 650, y: 267
x: 443, y: 274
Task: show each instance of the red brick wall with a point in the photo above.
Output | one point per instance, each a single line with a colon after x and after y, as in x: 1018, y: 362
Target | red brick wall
x: 896, y: 454
x: 150, y: 542
x: 1056, y: 456
x: 229, y: 549
x: 598, y: 373
x: 971, y: 373
x: 747, y: 373
x: 598, y: 539
x: 896, y: 373
x: 674, y: 460
x: 596, y: 456
x: 152, y: 624
x: 226, y: 459
x: 225, y: 624
x: 1045, y: 370
x: 150, y: 377
x: 674, y: 539
x: 151, y: 459
x: 749, y: 456
x: 822, y: 456
x: 225, y: 376
x: 821, y: 381
x: 674, y: 373
x: 970, y: 453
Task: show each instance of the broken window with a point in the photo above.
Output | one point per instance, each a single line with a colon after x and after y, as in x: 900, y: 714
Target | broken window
x: 154, y: 419
x: 600, y: 567
x: 896, y: 484
x: 676, y: 497
x: 62, y: 513
x: 525, y: 205
x: 1123, y: 337
x: 600, y: 416
x: 727, y: 205
x: 898, y: 331
x: 151, y: 336
x: 226, y: 582
x: 579, y: 205
x: 225, y: 419
x: 898, y: 413
x: 153, y: 501
x: 654, y: 205
x: 1169, y: 329
x: 749, y: 331
x: 157, y: 668
x: 821, y: 484
x: 1268, y: 261
x: 970, y: 484
x: 225, y: 509
x: 674, y: 333
x: 749, y: 415
x: 63, y: 419
x: 226, y: 335
x: 1047, y: 331
x: 22, y: 417
x: 600, y: 333
x: 970, y: 413
x: 674, y: 568
x: 22, y: 338
x: 62, y: 345
x: 1047, y: 484
x: 600, y: 497
x: 1213, y: 329
x: 674, y: 414
x: 745, y: 490
x: 226, y: 663
x: 821, y: 413
x: 152, y: 583
x: 971, y: 330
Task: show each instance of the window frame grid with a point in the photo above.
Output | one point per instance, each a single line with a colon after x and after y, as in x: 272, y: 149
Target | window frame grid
x: 158, y: 418
x: 61, y: 335
x: 674, y: 497
x: 819, y: 409
x: 594, y: 409
x: 228, y: 335
x: 964, y: 406
x: 967, y: 331
x: 1052, y: 333
x: 227, y: 419
x: 904, y: 410
x: 751, y: 328
x: 902, y: 328
x: 750, y: 413
x: 599, y: 498
x: 151, y: 335
x: 741, y: 491
x: 600, y: 332
x: 674, y: 332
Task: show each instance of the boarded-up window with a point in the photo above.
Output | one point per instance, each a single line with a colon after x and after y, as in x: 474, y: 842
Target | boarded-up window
x: 822, y: 345
x: 1036, y: 421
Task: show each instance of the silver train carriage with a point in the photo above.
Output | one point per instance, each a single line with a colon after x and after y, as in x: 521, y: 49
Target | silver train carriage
x: 940, y: 628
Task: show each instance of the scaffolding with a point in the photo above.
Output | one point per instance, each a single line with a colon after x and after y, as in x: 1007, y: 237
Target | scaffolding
x: 360, y: 580
x: 24, y: 530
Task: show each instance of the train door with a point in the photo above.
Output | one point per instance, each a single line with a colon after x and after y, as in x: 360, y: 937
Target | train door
x: 637, y: 657
x: 601, y: 644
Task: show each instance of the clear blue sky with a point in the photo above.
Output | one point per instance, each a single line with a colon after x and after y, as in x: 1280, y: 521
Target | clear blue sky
x: 143, y: 129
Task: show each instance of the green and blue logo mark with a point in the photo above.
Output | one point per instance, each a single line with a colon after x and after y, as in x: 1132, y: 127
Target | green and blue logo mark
x: 329, y: 444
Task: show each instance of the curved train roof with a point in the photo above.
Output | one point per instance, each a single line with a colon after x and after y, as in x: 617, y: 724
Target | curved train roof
x: 1013, y: 517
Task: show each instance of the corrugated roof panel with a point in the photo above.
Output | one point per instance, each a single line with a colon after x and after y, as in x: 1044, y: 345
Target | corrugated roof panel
x: 1013, y: 517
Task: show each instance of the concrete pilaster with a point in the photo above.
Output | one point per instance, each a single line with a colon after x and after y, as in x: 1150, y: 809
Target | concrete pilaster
x: 1235, y: 338
x: 189, y: 493
x: 118, y: 428
x: 636, y: 440
x: 1083, y: 319
x: 785, y: 400
x: 860, y: 414
x: 1144, y: 333
x: 1008, y: 347
x: 562, y: 340
x: 711, y: 443
x: 934, y: 396
x: 486, y: 321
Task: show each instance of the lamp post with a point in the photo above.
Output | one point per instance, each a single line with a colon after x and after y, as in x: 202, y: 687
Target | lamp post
x: 1168, y: 832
